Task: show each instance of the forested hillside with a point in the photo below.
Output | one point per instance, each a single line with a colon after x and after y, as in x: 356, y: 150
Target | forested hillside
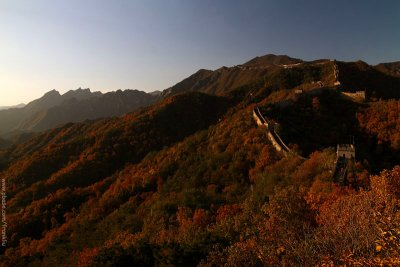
x: 194, y: 181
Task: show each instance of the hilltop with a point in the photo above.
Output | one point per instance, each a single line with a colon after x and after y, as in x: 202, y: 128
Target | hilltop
x: 260, y: 70
x: 272, y: 60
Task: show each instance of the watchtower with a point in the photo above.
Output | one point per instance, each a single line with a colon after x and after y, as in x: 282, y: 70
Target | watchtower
x: 346, y: 151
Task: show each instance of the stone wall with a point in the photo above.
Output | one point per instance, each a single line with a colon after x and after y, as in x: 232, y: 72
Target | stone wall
x: 273, y: 137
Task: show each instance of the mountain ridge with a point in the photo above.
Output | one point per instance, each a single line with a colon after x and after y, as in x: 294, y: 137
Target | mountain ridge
x: 271, y: 60
x: 263, y: 74
x: 54, y: 109
x: 264, y: 69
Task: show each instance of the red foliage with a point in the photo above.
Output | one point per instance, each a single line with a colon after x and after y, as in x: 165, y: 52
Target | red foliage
x: 228, y: 211
x: 86, y: 256
x: 382, y: 120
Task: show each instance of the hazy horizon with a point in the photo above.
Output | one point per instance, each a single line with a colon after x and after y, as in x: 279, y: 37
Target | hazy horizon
x: 152, y: 45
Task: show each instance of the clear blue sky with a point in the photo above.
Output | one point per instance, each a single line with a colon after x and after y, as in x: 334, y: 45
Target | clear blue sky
x: 152, y: 44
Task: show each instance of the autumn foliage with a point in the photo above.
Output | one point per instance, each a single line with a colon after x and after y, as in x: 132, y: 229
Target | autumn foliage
x: 193, y: 182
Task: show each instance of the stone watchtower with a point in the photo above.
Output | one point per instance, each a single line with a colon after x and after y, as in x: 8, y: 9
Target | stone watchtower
x: 346, y: 151
x: 345, y: 155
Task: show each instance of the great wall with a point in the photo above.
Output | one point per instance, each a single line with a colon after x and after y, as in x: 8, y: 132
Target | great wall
x: 357, y: 96
x: 273, y: 136
x: 336, y: 73
x: 345, y: 153
x: 260, y: 67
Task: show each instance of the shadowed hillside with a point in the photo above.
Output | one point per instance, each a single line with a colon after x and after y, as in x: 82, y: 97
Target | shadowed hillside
x: 4, y: 143
x: 315, y: 121
x: 92, y: 150
x: 355, y: 76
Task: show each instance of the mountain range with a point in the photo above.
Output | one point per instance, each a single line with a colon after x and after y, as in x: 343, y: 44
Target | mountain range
x: 54, y: 109
x: 10, y: 107
x: 196, y: 175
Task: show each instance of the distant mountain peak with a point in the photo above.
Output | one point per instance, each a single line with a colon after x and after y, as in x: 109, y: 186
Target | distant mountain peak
x: 11, y: 107
x: 271, y: 60
x: 80, y: 94
x: 53, y: 92
x: 155, y: 93
x: 81, y: 90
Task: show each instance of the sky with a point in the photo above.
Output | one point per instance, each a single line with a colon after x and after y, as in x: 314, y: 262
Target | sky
x: 151, y: 45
